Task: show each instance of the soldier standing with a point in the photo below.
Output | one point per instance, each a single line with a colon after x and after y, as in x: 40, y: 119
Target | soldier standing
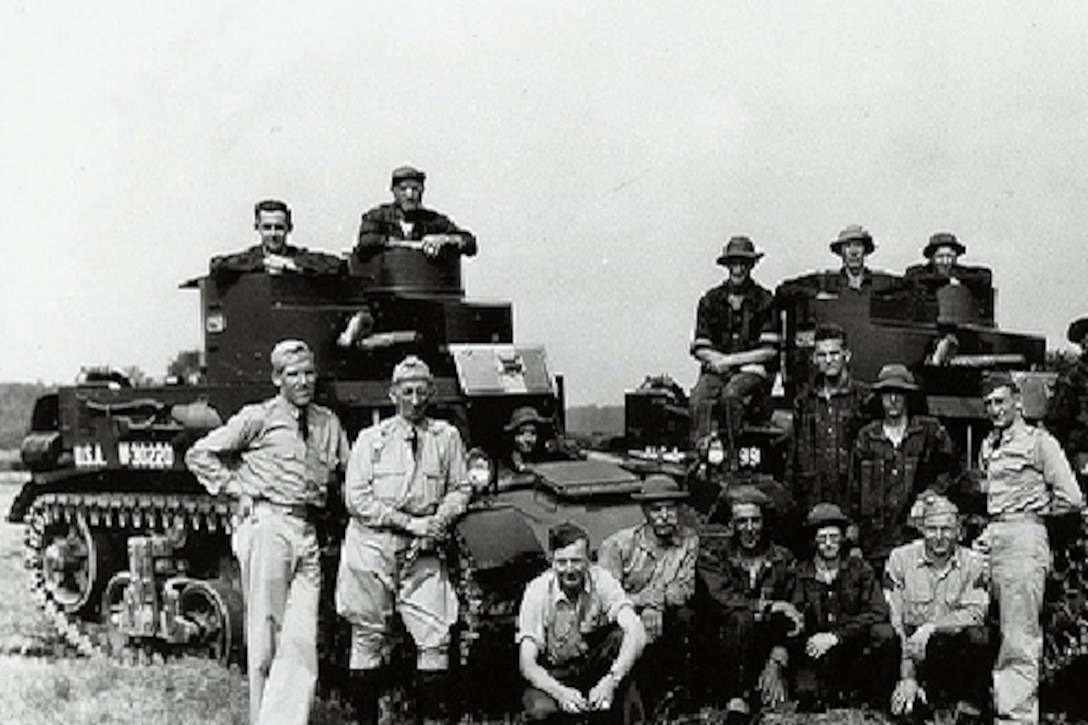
x: 287, y: 449
x: 1027, y: 477
x: 406, y: 485
x: 1067, y: 412
x: 736, y: 337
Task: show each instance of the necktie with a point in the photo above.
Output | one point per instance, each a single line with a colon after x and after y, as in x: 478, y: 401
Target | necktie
x: 304, y: 423
x: 415, y: 442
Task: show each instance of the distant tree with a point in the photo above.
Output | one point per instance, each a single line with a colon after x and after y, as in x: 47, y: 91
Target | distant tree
x: 16, y: 404
x: 186, y: 366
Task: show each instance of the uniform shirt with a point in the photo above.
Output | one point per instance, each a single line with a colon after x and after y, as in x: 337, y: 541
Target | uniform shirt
x: 260, y: 452
x: 1067, y: 412
x: 1027, y: 472
x: 719, y: 326
x: 559, y: 625
x: 824, y: 430
x: 889, y: 477
x: 387, y: 482
x: 847, y: 606
x: 742, y: 583
x: 383, y: 223
x: 951, y: 598
x: 253, y: 260
x: 652, y: 574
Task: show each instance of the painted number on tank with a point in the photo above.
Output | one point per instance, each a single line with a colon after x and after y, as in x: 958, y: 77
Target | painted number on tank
x: 145, y: 454
x: 750, y: 457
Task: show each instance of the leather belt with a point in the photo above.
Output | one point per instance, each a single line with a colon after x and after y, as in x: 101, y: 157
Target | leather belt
x: 296, y: 510
x: 1012, y: 516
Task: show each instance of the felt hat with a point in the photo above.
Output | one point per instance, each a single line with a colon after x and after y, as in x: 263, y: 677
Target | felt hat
x: 943, y: 239
x: 739, y: 248
x: 747, y: 493
x: 660, y: 487
x: 894, y: 376
x: 826, y: 514
x: 1077, y: 330
x: 523, y: 415
x: 854, y: 233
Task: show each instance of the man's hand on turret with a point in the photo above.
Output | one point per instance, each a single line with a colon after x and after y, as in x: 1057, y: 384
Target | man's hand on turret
x: 434, y: 243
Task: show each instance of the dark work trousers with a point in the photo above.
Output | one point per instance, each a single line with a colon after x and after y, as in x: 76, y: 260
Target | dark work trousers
x: 863, y: 670
x: 582, y: 673
x: 716, y: 398
x: 734, y: 649
x: 666, y: 663
x: 958, y: 666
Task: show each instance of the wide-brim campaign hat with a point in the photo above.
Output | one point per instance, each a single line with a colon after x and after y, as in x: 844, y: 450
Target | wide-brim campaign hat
x: 1077, y: 330
x: 522, y: 416
x: 894, y: 377
x: 854, y: 233
x: 943, y: 239
x: 739, y: 248
x: 826, y: 514
x: 660, y: 487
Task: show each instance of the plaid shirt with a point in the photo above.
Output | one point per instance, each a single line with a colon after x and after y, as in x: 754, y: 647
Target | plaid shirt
x: 653, y: 575
x: 847, y: 607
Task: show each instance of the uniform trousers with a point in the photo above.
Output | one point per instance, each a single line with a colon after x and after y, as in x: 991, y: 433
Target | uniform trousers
x: 716, y: 397
x: 279, y: 557
x: 1019, y: 561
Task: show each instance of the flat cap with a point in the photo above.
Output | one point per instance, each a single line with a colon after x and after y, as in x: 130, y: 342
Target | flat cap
x: 747, y: 493
x: 943, y: 239
x: 411, y: 368
x: 287, y: 351
x: 739, y: 248
x: 660, y: 487
x: 402, y: 173
x: 826, y: 514
x: 1077, y: 330
x: 998, y: 379
x: 894, y: 376
x: 853, y: 233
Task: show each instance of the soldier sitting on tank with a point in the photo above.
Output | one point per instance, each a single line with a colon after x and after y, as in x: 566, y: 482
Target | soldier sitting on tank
x: 896, y: 459
x: 847, y: 639
x: 827, y: 415
x: 655, y: 563
x: 943, y: 268
x: 526, y: 442
x: 1067, y: 412
x: 272, y: 220
x: 736, y: 338
x: 578, y: 634
x: 406, y: 219
x: 938, y: 595
x: 745, y: 618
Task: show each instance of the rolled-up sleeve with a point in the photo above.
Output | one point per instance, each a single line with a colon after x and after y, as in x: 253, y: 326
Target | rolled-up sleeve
x: 208, y: 458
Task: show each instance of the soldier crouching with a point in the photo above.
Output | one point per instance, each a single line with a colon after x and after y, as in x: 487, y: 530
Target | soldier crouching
x: 743, y: 583
x: 848, y: 643
x: 578, y: 634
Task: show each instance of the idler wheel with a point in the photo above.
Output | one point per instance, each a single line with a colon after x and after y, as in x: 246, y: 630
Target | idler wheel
x: 215, y: 607
x: 74, y: 565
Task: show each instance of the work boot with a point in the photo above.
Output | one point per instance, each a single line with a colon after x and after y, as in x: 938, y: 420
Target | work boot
x: 432, y: 698
x: 365, y: 691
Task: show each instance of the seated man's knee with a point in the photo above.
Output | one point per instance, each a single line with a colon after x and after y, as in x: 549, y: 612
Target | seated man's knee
x: 538, y: 706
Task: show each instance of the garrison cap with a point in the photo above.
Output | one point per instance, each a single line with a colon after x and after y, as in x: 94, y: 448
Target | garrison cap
x: 943, y: 239
x: 739, y: 248
x: 402, y: 173
x: 411, y: 368
x: 934, y: 504
x: 826, y: 514
x: 287, y: 351
x: 1077, y: 330
x: 523, y: 415
x: 894, y: 377
x: 854, y: 233
x: 998, y: 379
x: 659, y: 487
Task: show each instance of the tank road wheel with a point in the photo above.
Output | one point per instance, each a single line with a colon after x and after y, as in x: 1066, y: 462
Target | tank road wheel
x: 74, y: 565
x: 215, y: 607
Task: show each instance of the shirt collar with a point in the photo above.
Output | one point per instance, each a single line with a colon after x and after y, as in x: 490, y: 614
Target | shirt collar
x: 557, y: 593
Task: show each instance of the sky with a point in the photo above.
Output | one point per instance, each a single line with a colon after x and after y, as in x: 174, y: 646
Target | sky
x: 602, y: 152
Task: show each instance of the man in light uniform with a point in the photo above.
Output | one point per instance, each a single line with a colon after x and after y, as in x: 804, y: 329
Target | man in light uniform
x: 1027, y: 477
x: 287, y: 449
x: 578, y: 634
x: 406, y: 485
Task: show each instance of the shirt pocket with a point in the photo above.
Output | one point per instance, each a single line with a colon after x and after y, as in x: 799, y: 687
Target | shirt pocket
x: 434, y: 484
x: 389, y: 481
x: 918, y: 600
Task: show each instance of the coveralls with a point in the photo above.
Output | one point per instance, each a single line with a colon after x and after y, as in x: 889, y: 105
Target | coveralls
x: 1026, y: 477
x: 287, y: 477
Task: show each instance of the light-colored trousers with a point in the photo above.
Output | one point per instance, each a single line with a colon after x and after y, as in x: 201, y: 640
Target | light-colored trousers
x: 1019, y: 561
x: 281, y: 581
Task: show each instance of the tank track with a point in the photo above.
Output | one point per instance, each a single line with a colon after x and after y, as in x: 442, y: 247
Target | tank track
x: 112, y: 513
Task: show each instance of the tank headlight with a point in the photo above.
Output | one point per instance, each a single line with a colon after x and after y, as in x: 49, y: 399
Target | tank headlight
x: 215, y: 322
x: 715, y: 452
x: 479, y: 470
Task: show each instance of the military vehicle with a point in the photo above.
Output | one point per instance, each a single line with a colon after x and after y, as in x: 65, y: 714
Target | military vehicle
x: 131, y: 556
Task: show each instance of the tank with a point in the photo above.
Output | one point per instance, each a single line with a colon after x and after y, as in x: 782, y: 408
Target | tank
x: 132, y: 558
